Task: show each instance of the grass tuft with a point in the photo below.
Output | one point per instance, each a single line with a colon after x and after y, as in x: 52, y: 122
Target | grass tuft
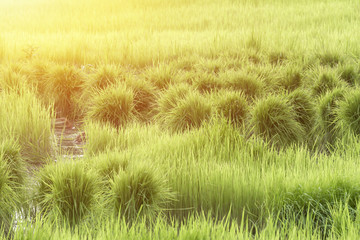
x: 113, y: 105
x: 68, y: 189
x: 232, y: 106
x: 139, y: 191
x: 274, y: 119
x: 349, y: 111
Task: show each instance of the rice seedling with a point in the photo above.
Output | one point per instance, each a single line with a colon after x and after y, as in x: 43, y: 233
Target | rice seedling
x: 32, y: 131
x: 171, y: 97
x: 292, y: 80
x: 250, y: 85
x: 350, y: 75
x: 325, y: 82
x: 113, y: 105
x: 104, y: 76
x: 8, y: 198
x: 64, y: 86
x: 233, y: 106
x: 207, y: 83
x: 304, y: 108
x: 349, y: 111
x: 161, y: 76
x: 145, y: 96
x: 318, y: 201
x: 12, y: 81
x: 190, y: 112
x: 274, y: 119
x: 68, y: 189
x: 10, y: 153
x: 327, y: 114
x: 139, y: 191
x: 276, y: 58
x: 330, y: 59
x: 110, y: 164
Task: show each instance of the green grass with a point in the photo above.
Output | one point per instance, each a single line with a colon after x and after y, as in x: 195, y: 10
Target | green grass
x: 213, y: 119
x: 274, y: 119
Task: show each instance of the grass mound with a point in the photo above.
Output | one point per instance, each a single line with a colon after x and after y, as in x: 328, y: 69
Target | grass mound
x: 189, y: 113
x: 113, y: 105
x: 304, y: 108
x: 207, y: 83
x: 250, y: 85
x: 349, y: 111
x: 104, y: 76
x: 170, y: 98
x: 274, y: 119
x: 68, y: 189
x: 64, y: 86
x: 110, y: 164
x: 327, y: 112
x: 145, y: 95
x: 326, y: 81
x: 139, y: 191
x: 232, y: 106
x: 329, y: 59
x: 10, y: 153
x: 350, y: 75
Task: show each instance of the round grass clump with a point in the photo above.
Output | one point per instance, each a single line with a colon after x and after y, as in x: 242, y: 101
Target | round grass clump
x: 327, y: 81
x: 233, y: 106
x: 329, y: 59
x: 277, y: 57
x: 104, y: 76
x: 327, y: 112
x: 327, y: 109
x: 64, y: 86
x: 145, y: 95
x: 292, y: 80
x: 350, y: 75
x: 304, y: 107
x: 171, y: 97
x: 207, y: 83
x: 68, y: 189
x: 10, y: 153
x: 274, y: 119
x: 113, y: 105
x: 161, y: 76
x: 250, y: 85
x: 139, y: 191
x: 110, y: 164
x: 189, y: 113
x: 8, y: 199
x: 349, y: 111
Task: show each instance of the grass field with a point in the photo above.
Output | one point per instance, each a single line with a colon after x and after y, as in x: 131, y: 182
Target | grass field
x: 218, y: 119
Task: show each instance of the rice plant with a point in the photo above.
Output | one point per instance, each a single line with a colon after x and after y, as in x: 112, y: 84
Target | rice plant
x: 327, y: 114
x: 207, y: 83
x: 190, y: 112
x: 10, y: 153
x: 171, y: 97
x: 145, y: 96
x: 349, y: 111
x: 64, y: 86
x: 68, y: 189
x: 350, y: 75
x: 110, y: 164
x: 249, y: 84
x: 233, y: 106
x: 113, y: 105
x: 326, y: 81
x: 139, y: 191
x: 274, y: 119
x: 304, y: 108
